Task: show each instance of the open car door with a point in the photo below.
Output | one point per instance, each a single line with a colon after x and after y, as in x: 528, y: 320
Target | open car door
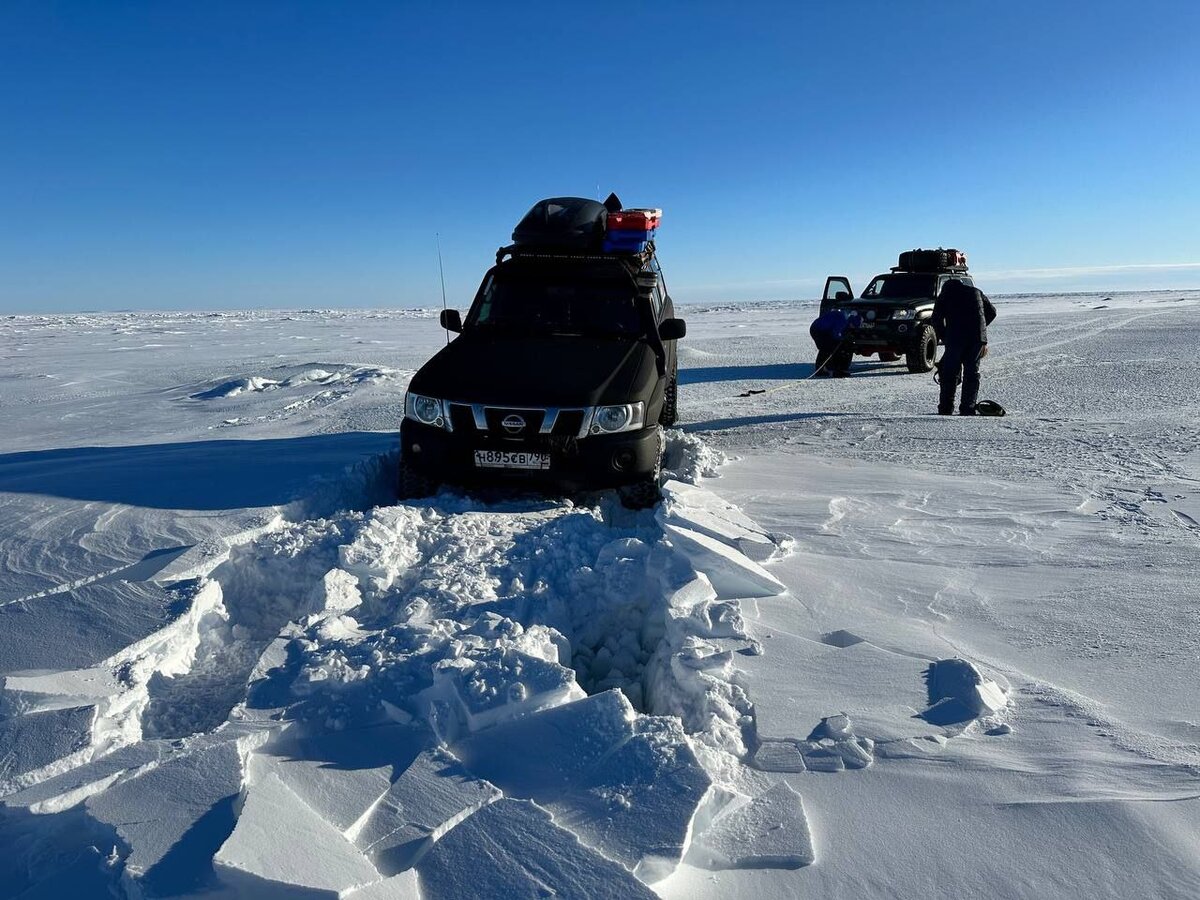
x: 837, y: 290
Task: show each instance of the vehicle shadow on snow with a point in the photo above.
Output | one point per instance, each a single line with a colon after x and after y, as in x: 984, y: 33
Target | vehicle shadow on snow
x: 199, y: 475
x: 774, y: 371
x: 783, y: 372
x: 747, y: 421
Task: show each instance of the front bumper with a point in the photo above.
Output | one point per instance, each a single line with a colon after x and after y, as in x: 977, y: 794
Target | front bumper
x: 897, y: 337
x: 592, y: 462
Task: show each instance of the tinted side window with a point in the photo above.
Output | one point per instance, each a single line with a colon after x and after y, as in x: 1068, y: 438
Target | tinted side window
x: 657, y: 299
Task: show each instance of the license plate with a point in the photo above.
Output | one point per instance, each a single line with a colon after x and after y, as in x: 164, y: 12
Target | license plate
x: 511, y: 459
x: 867, y: 325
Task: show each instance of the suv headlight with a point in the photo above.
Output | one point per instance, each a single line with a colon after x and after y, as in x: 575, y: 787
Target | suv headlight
x: 425, y: 410
x: 903, y: 314
x: 614, y: 419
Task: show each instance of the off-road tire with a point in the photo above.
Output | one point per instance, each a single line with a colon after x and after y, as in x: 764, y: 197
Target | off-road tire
x: 920, y: 358
x: 413, y: 485
x: 641, y: 494
x: 645, y: 492
x: 670, y: 408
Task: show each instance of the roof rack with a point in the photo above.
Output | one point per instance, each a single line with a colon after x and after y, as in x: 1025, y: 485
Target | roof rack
x: 943, y: 270
x: 562, y: 253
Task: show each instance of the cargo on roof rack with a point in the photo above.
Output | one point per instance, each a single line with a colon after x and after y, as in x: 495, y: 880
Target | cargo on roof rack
x: 939, y: 260
x: 576, y: 225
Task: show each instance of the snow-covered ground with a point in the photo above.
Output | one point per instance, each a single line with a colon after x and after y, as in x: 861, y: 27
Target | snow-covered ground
x: 859, y: 651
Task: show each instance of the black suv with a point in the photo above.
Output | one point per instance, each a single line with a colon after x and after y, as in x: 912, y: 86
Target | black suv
x: 563, y: 373
x: 895, y: 309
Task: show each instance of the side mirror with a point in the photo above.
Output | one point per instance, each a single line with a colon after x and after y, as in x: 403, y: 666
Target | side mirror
x: 672, y: 329
x: 451, y: 320
x: 843, y: 295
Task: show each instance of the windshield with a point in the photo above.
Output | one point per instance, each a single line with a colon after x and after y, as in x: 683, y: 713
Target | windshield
x: 559, y: 305
x: 900, y: 285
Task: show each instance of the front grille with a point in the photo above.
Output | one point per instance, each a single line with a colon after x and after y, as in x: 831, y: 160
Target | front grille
x: 568, y: 423
x: 461, y: 417
x: 530, y: 421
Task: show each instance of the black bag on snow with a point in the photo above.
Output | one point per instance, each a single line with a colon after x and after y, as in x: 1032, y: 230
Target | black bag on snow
x: 573, y: 223
x: 988, y: 408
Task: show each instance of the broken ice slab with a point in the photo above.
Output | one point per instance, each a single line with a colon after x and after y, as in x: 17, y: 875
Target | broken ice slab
x: 779, y: 756
x: 429, y: 798
x: 36, y: 740
x: 173, y: 815
x: 45, y: 632
x: 484, y: 687
x: 771, y: 831
x: 339, y: 774
x: 336, y: 593
x: 512, y: 848
x: 628, y: 786
x: 696, y: 509
x: 43, y: 691
x: 73, y: 786
x: 732, y: 573
x: 282, y: 848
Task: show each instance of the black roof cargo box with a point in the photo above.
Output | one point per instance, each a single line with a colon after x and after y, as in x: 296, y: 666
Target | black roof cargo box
x: 563, y: 223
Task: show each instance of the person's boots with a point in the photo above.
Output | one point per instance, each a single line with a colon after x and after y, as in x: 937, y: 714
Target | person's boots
x: 942, y: 411
x: 967, y: 410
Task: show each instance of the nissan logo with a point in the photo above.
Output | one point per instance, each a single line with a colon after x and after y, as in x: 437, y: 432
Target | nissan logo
x: 513, y: 424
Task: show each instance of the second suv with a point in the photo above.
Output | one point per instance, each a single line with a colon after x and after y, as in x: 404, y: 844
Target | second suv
x: 895, y: 309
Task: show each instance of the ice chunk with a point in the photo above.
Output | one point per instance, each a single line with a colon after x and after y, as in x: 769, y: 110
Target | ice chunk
x: 694, y: 508
x: 73, y: 786
x: 36, y: 740
x: 487, y: 686
x: 338, y: 592
x: 731, y: 572
x: 60, y: 690
x: 959, y: 693
x: 433, y: 795
x: 771, y: 831
x: 328, y: 772
x: 779, y: 756
x: 281, y: 848
x: 174, y: 815
x: 512, y: 848
x: 628, y: 786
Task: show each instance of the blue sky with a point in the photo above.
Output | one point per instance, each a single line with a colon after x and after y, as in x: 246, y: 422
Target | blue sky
x: 165, y: 155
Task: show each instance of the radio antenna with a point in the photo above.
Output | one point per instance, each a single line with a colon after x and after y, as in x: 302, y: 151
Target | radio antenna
x: 442, y: 275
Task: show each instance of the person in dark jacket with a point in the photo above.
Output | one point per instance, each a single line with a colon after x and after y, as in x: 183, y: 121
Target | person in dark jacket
x: 827, y: 331
x: 961, y: 316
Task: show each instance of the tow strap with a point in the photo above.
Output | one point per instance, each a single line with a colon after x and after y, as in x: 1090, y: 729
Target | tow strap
x: 815, y: 372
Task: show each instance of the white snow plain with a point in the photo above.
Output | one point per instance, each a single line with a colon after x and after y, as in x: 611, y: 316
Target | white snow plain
x: 858, y: 651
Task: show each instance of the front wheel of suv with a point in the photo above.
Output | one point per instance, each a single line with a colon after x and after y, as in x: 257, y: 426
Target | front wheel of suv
x: 413, y: 485
x: 670, y: 408
x: 920, y: 358
x: 641, y: 494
